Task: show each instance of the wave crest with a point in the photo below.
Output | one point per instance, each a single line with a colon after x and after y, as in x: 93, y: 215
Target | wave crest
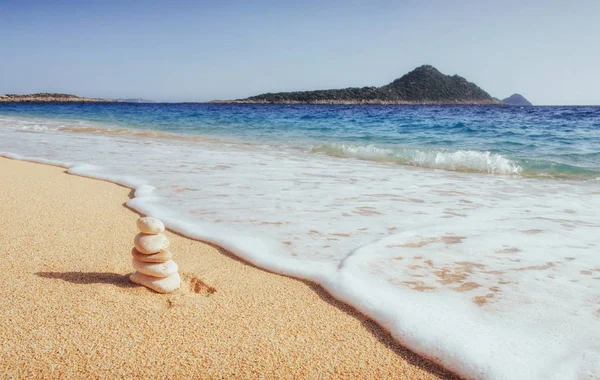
x: 459, y: 160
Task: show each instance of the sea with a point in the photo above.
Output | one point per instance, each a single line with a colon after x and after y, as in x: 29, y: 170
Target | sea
x: 470, y: 233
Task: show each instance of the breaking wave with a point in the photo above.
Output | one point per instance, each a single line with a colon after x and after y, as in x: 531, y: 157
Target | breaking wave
x: 458, y: 160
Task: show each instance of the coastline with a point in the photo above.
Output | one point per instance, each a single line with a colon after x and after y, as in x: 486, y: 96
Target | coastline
x: 66, y: 269
x: 4, y: 99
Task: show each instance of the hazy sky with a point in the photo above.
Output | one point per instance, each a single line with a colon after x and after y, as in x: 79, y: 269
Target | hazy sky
x: 547, y: 50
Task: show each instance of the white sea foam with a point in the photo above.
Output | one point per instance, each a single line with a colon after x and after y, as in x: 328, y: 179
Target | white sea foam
x: 460, y: 160
x: 35, y: 127
x: 491, y: 276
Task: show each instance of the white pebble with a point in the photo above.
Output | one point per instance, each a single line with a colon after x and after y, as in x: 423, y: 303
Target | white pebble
x: 160, y: 285
x: 150, y: 244
x: 155, y: 269
x: 150, y: 225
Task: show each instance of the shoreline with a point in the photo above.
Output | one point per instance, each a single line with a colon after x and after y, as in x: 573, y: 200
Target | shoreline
x: 261, y: 314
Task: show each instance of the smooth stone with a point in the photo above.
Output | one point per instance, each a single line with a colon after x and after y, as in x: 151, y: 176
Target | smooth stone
x: 150, y: 225
x: 160, y: 257
x: 155, y: 269
x: 150, y: 244
x: 160, y: 285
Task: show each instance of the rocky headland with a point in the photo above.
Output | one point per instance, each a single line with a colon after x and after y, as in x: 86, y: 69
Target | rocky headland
x: 48, y: 97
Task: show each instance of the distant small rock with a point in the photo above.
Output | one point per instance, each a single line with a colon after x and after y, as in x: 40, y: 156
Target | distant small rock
x: 516, y: 100
x: 134, y: 100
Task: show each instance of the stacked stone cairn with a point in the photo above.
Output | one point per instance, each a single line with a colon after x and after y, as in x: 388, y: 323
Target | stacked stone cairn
x: 154, y: 267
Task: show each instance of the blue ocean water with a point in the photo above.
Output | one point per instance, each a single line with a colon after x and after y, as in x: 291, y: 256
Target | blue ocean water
x: 470, y: 233
x: 534, y: 141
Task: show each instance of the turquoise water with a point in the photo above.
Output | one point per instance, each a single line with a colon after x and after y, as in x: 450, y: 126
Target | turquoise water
x: 533, y: 141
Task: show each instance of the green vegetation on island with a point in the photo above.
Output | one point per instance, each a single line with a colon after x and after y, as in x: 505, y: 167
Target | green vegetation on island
x: 423, y: 85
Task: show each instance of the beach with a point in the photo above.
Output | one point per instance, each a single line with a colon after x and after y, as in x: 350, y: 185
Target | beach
x: 473, y: 256
x: 69, y: 310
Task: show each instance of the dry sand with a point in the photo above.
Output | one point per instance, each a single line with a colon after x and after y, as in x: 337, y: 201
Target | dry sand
x: 68, y: 308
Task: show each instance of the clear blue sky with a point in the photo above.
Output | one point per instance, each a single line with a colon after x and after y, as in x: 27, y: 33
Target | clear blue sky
x: 548, y: 51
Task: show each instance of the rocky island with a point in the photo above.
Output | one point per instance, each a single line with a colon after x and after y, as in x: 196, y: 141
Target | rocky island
x: 424, y: 85
x: 48, y: 97
x: 134, y: 100
x: 516, y: 100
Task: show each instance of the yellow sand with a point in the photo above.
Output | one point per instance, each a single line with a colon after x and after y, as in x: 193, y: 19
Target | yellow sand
x: 68, y: 309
